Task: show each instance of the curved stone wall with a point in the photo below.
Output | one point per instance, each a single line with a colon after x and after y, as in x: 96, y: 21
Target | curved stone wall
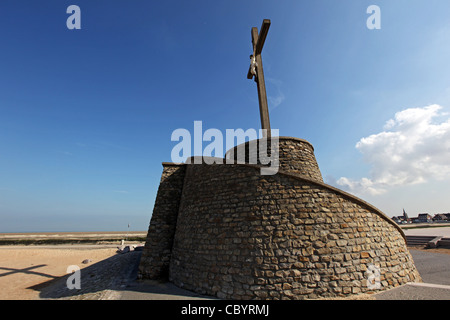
x: 295, y: 156
x: 241, y: 235
x: 155, y: 258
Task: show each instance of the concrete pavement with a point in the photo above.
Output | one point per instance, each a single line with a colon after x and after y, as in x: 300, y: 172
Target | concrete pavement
x: 434, y: 269
x: 434, y: 231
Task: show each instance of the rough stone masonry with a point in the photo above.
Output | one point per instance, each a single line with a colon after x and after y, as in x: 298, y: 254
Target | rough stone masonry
x: 225, y: 230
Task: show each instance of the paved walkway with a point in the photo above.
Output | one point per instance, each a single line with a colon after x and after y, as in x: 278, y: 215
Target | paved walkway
x: 435, y: 231
x: 434, y: 269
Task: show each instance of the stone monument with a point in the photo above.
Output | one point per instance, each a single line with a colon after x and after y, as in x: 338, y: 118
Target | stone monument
x: 227, y: 231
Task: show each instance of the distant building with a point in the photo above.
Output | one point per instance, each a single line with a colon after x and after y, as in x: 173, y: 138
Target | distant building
x: 414, y: 220
x: 424, y: 217
x: 397, y: 219
x: 405, y: 216
x: 402, y: 219
x: 441, y: 217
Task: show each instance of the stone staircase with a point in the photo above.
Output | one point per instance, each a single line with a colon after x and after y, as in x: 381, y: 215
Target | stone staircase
x: 427, y: 241
x: 445, y: 242
x: 421, y: 241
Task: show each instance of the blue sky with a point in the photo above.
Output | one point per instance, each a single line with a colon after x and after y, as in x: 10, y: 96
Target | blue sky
x: 86, y: 115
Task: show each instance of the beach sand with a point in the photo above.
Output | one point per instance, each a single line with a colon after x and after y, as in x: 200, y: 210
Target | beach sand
x: 24, y: 269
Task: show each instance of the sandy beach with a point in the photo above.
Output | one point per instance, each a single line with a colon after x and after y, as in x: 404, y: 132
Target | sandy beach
x: 24, y: 270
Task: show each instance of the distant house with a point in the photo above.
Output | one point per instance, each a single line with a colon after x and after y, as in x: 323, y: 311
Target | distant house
x: 402, y: 219
x: 424, y: 217
x: 398, y: 219
x: 415, y: 220
x: 440, y: 217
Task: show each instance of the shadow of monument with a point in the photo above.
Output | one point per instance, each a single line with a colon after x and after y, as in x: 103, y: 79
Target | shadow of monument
x: 29, y: 270
x: 112, y: 278
x: 108, y: 274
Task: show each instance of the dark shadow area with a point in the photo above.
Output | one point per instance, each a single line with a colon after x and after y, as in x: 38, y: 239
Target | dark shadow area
x: 159, y: 290
x: 155, y: 289
x: 108, y: 274
x: 117, y: 273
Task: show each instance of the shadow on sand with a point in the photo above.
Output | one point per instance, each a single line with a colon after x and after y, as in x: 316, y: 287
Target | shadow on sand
x: 113, y: 278
x: 29, y: 270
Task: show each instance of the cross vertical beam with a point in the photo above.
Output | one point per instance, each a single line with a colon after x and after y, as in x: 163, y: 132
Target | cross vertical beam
x: 258, y: 43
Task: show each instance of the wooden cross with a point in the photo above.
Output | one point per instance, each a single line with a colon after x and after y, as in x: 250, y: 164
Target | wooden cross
x: 258, y: 43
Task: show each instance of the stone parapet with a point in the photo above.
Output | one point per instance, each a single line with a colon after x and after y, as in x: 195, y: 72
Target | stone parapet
x: 294, y: 155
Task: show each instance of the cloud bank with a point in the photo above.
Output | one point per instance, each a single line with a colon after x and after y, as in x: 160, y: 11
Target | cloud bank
x: 413, y: 148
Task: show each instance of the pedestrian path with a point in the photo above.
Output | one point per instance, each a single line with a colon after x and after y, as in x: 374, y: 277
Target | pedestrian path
x: 434, y: 231
x: 434, y: 268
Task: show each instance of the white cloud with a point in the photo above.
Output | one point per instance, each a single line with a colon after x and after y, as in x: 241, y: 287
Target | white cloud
x: 275, y: 98
x: 412, y: 149
x: 365, y: 185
